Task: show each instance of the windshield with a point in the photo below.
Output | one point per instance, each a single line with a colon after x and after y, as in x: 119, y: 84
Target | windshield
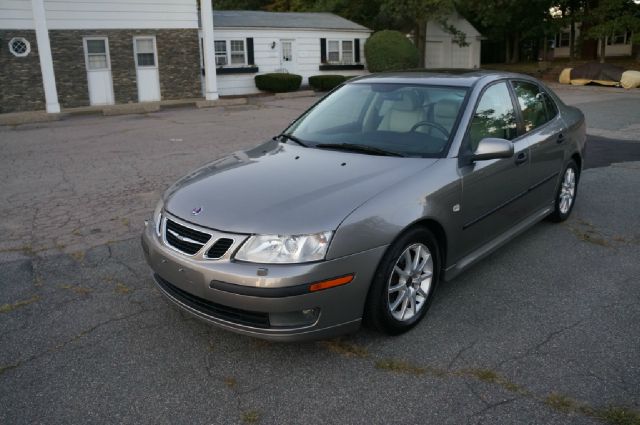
x: 412, y: 120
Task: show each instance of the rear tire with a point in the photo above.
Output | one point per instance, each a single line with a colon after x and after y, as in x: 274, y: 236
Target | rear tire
x: 566, y: 193
x: 404, y: 283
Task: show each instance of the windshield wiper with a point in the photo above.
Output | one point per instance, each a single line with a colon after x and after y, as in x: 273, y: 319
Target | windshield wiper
x: 352, y: 147
x: 286, y: 136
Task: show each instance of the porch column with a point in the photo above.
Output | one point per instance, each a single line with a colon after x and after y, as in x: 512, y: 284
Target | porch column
x: 206, y: 19
x: 46, y: 61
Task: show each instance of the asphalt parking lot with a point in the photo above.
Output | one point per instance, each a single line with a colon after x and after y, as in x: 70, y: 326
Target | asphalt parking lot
x: 544, y: 331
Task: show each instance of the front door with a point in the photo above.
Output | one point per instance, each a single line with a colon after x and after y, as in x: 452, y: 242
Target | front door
x: 98, y: 64
x: 144, y: 49
x: 494, y: 191
x: 287, y: 58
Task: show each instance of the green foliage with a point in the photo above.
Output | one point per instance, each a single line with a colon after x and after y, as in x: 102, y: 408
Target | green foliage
x: 614, y: 16
x: 278, y: 82
x: 326, y: 82
x: 389, y: 51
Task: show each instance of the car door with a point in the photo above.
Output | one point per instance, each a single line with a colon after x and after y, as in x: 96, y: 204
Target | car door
x: 543, y: 128
x: 493, y: 190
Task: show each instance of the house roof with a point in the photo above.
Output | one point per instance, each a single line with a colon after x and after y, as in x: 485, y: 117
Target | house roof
x: 260, y: 19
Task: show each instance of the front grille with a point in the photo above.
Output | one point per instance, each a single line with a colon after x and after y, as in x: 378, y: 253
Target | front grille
x: 219, y: 248
x: 184, y: 238
x: 209, y: 308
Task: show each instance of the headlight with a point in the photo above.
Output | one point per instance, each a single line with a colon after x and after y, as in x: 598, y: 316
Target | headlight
x: 157, y: 217
x: 285, y: 249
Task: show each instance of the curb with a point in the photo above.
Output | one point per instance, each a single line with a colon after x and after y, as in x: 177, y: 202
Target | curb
x: 32, y: 117
x: 293, y: 94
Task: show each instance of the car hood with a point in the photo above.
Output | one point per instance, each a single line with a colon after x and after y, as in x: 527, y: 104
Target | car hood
x: 279, y: 188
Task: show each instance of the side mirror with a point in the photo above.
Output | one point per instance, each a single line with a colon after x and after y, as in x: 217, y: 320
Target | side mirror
x: 491, y: 148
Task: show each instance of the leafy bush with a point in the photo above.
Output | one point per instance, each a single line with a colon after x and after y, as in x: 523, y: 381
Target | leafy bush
x: 390, y: 51
x: 278, y: 82
x: 326, y: 82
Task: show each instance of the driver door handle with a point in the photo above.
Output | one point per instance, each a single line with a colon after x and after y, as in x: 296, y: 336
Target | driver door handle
x: 521, y: 158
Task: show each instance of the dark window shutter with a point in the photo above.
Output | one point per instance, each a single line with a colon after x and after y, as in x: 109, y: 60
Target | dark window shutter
x: 356, y: 50
x: 250, y: 59
x: 323, y: 50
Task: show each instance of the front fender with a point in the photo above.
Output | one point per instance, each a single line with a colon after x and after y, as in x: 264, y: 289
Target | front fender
x: 429, y: 194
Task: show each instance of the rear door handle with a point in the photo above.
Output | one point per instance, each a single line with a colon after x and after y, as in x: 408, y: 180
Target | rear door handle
x: 560, y: 138
x: 521, y: 158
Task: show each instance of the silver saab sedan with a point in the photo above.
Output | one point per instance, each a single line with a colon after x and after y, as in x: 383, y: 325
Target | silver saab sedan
x: 388, y: 185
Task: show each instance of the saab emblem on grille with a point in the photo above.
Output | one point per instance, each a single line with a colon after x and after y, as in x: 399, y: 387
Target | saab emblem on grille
x: 196, y: 211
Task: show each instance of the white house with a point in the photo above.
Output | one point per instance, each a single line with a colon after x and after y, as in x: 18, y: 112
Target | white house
x: 252, y: 42
x: 617, y: 44
x: 442, y: 51
x: 67, y: 53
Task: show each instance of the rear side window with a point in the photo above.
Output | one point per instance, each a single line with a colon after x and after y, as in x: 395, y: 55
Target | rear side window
x: 494, y: 117
x: 533, y: 104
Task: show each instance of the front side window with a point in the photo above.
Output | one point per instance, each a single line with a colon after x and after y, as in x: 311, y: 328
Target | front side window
x: 145, y: 52
x: 494, y: 116
x: 96, y: 53
x: 532, y: 104
x: 412, y: 120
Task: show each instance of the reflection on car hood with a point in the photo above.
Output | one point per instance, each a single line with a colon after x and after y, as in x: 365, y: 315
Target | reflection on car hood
x: 280, y: 188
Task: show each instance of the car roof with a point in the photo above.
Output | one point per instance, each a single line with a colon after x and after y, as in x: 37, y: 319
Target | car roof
x: 437, y: 77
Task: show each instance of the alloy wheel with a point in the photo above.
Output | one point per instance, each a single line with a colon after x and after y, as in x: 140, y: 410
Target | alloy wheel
x: 410, y: 282
x: 567, y: 190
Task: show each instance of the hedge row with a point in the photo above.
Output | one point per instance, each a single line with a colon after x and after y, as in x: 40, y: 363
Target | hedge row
x: 326, y: 82
x: 277, y: 82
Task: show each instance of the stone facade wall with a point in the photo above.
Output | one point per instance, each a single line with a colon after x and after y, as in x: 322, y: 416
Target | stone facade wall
x: 20, y: 78
x: 178, y: 61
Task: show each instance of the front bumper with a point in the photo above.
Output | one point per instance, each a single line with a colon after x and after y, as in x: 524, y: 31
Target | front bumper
x: 240, y: 296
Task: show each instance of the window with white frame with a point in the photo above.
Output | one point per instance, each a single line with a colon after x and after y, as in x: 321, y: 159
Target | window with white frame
x: 230, y: 52
x: 340, y: 52
x: 221, y: 52
x: 622, y: 38
x: 564, y: 39
x: 145, y: 51
x: 97, y: 53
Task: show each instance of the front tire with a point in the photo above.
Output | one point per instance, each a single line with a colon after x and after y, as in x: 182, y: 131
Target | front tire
x: 566, y: 193
x: 404, y: 283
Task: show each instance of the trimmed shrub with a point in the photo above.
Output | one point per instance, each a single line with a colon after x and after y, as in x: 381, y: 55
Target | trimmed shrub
x: 390, y: 51
x: 326, y: 82
x: 278, y: 82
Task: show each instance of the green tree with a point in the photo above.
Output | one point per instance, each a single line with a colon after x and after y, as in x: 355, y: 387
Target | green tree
x: 413, y: 15
x: 613, y: 17
x: 510, y: 20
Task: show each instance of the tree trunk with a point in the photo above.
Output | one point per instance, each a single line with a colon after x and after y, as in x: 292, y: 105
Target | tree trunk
x: 515, y: 56
x: 572, y: 39
x: 507, y: 49
x: 603, y: 48
x: 421, y: 42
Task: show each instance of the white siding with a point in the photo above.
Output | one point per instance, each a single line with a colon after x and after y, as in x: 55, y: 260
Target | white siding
x: 16, y: 14
x: 306, y: 54
x: 442, y: 52
x: 102, y: 14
